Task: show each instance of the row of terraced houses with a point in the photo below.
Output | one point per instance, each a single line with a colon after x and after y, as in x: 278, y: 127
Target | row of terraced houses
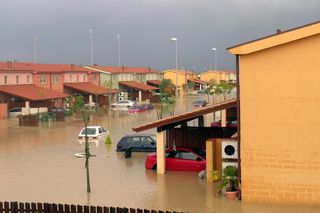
x: 47, y: 85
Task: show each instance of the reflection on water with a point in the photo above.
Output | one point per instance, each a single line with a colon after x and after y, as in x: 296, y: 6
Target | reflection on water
x: 38, y: 165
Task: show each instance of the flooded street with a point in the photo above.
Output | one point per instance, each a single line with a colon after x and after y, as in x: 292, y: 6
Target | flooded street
x: 38, y: 165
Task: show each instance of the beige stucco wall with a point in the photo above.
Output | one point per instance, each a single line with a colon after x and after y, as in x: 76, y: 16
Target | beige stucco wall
x: 280, y: 123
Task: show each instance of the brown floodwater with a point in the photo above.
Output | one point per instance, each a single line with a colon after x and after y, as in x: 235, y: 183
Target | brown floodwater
x: 38, y: 165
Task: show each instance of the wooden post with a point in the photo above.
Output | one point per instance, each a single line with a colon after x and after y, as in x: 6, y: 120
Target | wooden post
x: 90, y: 100
x: 223, y: 118
x: 210, y: 159
x: 161, y: 166
x: 140, y: 96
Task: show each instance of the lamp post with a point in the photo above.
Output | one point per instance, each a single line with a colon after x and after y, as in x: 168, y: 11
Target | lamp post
x: 176, y: 42
x: 215, y: 58
x: 119, y: 50
x: 35, y: 40
x: 91, y: 45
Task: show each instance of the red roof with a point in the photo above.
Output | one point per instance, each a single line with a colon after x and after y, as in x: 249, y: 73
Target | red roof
x: 31, y: 92
x: 198, y: 81
x: 90, y: 88
x: 154, y: 82
x: 138, y: 86
x: 139, y: 70
x: 31, y: 67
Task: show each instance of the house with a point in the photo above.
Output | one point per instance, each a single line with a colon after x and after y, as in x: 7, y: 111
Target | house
x: 279, y: 116
x: 218, y: 76
x: 181, y: 77
x: 131, y: 81
x: 51, y: 80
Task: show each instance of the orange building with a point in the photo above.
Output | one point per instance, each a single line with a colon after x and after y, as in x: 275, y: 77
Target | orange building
x: 218, y: 76
x: 280, y: 117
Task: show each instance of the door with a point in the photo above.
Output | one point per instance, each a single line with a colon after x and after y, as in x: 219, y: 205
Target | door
x: 147, y: 144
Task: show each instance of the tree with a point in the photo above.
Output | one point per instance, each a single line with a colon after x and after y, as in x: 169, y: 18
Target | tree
x: 226, y: 88
x: 86, y: 113
x: 167, y: 87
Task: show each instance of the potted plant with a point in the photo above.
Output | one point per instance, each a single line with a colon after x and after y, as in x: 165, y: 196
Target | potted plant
x: 230, y: 182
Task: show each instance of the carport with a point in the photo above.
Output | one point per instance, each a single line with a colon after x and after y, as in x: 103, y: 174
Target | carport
x: 28, y: 95
x: 103, y: 95
x: 166, y: 128
x: 137, y: 90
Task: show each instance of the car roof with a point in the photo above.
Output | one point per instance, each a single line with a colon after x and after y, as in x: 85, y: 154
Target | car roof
x: 93, y: 127
x: 132, y: 135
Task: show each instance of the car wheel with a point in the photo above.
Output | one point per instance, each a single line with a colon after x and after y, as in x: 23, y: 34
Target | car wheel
x: 154, y: 167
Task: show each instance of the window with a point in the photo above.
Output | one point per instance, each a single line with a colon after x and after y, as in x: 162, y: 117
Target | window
x: 43, y: 79
x: 94, y: 77
x: 55, y: 79
x: 188, y: 155
x: 5, y: 79
x: 70, y: 78
x: 17, y: 79
x: 28, y: 78
x: 84, y: 78
x: 77, y: 78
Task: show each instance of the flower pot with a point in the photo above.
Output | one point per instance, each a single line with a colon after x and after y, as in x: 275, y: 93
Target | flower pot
x: 231, y: 195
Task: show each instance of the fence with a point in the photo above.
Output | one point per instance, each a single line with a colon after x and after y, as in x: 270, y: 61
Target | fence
x: 15, y: 207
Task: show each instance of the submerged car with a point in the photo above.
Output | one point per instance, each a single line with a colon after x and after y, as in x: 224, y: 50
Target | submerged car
x: 136, y: 108
x: 137, y: 143
x: 15, y: 112
x: 124, y: 104
x: 180, y: 159
x: 200, y: 103
x: 94, y: 134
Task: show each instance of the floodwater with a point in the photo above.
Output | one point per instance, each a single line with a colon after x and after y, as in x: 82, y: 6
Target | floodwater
x: 38, y: 165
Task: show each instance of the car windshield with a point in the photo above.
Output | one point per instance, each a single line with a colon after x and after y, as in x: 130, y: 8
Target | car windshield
x: 90, y: 131
x: 200, y: 152
x: 199, y: 102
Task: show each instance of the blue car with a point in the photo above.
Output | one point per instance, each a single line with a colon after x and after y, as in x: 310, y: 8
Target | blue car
x: 137, y: 143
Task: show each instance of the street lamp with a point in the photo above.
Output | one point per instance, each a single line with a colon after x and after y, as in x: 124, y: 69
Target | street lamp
x: 91, y: 45
x: 215, y: 58
x: 176, y: 41
x: 35, y: 40
x: 119, y: 50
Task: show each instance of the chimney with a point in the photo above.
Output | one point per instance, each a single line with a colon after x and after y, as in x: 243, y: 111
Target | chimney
x: 278, y: 31
x: 149, y: 69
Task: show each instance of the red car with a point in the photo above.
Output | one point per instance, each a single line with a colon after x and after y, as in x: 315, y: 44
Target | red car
x: 180, y: 159
x: 136, y: 108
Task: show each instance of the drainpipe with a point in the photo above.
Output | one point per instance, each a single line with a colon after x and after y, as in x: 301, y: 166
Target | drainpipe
x: 238, y: 118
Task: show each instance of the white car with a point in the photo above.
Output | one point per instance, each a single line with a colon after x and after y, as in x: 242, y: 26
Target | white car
x: 15, y: 112
x: 124, y: 104
x: 94, y: 134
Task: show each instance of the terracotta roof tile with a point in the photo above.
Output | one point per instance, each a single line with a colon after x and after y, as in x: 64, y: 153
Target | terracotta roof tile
x: 140, y: 70
x: 137, y: 85
x: 31, y: 92
x: 154, y: 82
x: 91, y: 88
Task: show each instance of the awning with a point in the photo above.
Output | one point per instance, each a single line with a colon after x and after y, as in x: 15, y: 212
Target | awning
x: 175, y: 120
x: 137, y: 86
x: 90, y: 88
x: 154, y: 82
x: 31, y: 92
x: 197, y: 81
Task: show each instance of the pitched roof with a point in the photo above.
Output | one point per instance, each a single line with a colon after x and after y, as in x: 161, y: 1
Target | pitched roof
x: 90, y: 88
x: 137, y: 85
x: 31, y: 92
x: 154, y: 82
x: 183, y: 72
x: 175, y: 120
x: 218, y: 71
x: 276, y: 39
x: 42, y: 68
x: 115, y: 70
x: 197, y: 81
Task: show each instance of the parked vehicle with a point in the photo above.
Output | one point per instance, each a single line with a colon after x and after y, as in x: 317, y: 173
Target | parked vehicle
x: 125, y: 104
x: 147, y: 106
x: 94, y: 134
x: 180, y: 159
x: 65, y: 111
x: 200, y: 103
x: 15, y: 112
x: 138, y: 143
x: 136, y: 108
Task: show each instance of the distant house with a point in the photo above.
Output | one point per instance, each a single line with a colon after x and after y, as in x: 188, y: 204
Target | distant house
x: 280, y: 117
x: 129, y: 80
x: 218, y: 76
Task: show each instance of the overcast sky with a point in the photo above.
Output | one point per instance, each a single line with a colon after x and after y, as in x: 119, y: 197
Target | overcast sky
x: 145, y: 26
